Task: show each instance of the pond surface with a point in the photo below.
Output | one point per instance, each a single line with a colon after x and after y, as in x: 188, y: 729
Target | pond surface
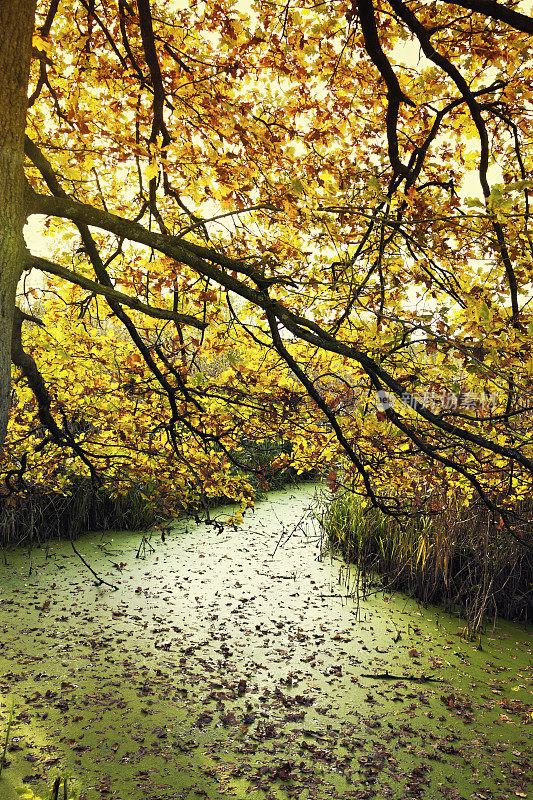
x: 230, y: 664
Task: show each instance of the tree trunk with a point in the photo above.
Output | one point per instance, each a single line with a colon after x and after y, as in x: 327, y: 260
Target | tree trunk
x: 16, y: 28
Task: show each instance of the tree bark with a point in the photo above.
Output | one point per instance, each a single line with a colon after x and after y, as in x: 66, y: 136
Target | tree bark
x: 16, y: 27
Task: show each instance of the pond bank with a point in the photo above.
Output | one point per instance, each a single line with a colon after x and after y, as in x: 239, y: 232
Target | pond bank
x: 459, y: 559
x: 225, y: 666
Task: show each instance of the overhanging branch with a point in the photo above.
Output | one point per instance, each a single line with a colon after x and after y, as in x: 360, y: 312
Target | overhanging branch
x: 203, y: 260
x: 305, y: 329
x: 52, y: 268
x: 395, y: 94
x: 490, y: 8
x: 36, y: 382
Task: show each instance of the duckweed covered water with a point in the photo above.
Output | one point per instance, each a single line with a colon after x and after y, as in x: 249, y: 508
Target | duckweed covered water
x: 227, y: 666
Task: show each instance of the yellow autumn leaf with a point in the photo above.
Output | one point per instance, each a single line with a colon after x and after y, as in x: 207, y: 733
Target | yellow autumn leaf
x: 151, y: 171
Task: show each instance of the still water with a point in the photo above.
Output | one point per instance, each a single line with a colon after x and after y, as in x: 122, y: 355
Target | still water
x: 231, y: 664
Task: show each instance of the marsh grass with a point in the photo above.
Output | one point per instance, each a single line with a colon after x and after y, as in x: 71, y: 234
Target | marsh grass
x: 6, y: 737
x: 35, y: 516
x: 458, y: 557
x: 61, y: 789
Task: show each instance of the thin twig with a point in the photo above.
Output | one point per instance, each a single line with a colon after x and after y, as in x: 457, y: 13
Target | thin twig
x: 98, y: 578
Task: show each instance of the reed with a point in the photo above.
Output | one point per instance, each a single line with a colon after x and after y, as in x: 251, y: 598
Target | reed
x: 6, y: 737
x: 457, y: 557
x: 35, y: 516
x: 62, y: 789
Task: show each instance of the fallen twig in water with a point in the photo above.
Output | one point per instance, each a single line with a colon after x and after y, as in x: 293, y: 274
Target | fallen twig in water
x: 386, y: 676
x: 100, y: 580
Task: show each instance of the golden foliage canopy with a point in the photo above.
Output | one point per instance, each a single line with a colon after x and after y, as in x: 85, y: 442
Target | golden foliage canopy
x: 264, y: 215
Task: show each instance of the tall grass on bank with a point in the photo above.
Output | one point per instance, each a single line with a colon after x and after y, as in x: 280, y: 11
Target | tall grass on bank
x: 36, y: 516
x: 61, y: 789
x: 458, y: 558
x: 3, y: 762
